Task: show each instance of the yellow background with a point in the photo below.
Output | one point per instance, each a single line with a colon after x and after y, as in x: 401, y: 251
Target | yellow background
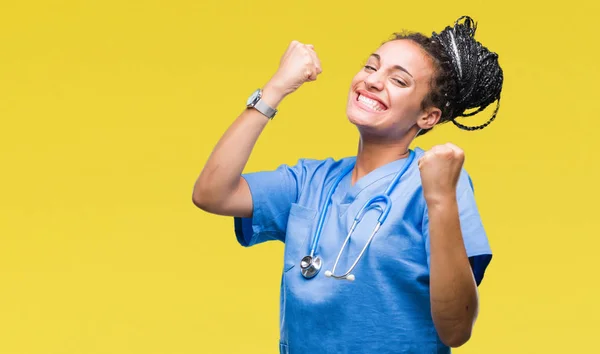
x: 110, y: 108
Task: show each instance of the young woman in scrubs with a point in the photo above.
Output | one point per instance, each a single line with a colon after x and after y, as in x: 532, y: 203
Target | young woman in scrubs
x: 415, y: 287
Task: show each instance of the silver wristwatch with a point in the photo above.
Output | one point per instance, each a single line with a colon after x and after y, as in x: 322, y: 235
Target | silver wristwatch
x: 254, y: 101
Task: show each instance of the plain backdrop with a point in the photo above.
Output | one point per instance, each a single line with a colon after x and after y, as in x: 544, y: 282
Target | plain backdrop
x: 109, y: 109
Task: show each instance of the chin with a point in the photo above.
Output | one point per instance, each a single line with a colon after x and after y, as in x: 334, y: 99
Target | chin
x: 368, y: 125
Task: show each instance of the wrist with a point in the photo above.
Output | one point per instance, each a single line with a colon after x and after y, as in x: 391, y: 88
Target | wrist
x: 272, y: 95
x: 441, y: 201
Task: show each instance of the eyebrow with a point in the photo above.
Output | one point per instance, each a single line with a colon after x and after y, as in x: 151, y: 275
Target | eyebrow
x: 395, y: 66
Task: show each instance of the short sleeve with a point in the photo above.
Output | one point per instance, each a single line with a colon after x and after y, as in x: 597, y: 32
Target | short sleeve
x: 473, y: 232
x: 273, y: 192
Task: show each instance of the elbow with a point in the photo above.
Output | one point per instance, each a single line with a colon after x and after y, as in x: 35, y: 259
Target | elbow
x: 457, y: 337
x: 201, y: 197
x: 211, y: 197
x: 199, y: 201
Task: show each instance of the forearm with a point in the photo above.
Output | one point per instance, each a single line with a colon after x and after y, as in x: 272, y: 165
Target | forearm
x: 220, y: 189
x: 221, y: 173
x: 454, y: 299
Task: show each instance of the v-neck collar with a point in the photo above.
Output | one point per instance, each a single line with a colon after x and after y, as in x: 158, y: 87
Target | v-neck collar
x: 367, y: 180
x: 349, y: 194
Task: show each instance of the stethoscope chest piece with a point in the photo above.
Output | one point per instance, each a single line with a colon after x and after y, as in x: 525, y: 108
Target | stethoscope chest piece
x: 310, y: 266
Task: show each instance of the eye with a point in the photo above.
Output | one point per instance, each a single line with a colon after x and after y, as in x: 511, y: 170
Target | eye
x: 369, y: 68
x: 399, y: 82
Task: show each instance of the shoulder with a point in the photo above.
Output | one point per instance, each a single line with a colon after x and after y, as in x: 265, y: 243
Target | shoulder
x: 312, y: 166
x: 329, y: 161
x: 310, y: 170
x: 315, y: 174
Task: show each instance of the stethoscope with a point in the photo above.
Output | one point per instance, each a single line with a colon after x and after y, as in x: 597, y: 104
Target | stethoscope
x: 311, y: 265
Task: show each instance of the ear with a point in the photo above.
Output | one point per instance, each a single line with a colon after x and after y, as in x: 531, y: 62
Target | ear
x: 430, y: 117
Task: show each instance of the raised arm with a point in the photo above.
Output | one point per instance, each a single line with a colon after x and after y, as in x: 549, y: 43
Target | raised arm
x: 453, y: 289
x: 220, y: 189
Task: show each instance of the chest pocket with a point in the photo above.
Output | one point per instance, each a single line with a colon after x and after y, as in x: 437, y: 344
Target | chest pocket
x: 300, y: 226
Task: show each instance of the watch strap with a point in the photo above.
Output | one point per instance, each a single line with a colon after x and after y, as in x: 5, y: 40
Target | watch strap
x: 265, y: 109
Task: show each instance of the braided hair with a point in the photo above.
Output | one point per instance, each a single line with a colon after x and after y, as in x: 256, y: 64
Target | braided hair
x: 467, y: 75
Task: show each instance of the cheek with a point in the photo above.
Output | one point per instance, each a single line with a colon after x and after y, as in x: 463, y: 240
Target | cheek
x: 408, y: 101
x: 357, y: 79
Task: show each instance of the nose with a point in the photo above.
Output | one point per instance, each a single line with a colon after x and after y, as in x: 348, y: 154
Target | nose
x: 374, y: 81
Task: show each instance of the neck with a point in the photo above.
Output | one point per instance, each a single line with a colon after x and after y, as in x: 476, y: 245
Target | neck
x: 374, y: 153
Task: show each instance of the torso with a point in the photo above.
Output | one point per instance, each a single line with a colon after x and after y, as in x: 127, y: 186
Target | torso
x: 386, y: 309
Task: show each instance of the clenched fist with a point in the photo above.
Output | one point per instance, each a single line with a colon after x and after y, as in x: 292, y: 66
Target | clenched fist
x: 298, y: 65
x: 440, y: 169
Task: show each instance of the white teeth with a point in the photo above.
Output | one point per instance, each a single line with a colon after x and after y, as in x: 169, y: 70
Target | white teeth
x: 371, y: 103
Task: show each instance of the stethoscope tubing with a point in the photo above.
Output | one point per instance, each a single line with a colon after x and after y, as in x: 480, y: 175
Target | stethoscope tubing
x: 323, y: 215
x: 368, y: 205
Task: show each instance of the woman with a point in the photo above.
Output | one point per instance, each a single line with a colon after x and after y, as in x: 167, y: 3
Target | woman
x: 415, y: 285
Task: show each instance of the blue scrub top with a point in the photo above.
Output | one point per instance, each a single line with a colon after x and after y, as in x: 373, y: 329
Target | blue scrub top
x: 387, y: 308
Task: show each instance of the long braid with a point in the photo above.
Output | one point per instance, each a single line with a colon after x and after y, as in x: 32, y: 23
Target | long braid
x: 467, y: 74
x: 477, y: 127
x: 478, y: 76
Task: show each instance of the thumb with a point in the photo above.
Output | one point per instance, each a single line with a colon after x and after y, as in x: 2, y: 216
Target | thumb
x: 421, y: 161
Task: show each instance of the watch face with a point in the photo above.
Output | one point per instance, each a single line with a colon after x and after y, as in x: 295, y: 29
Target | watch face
x: 253, y: 98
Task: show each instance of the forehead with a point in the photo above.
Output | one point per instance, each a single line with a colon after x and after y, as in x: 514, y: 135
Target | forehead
x: 407, y: 54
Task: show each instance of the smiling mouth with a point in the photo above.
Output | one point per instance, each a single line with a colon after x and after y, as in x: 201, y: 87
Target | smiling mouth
x: 371, y: 103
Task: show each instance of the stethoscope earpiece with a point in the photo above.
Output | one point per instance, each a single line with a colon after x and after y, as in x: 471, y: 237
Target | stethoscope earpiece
x: 349, y: 277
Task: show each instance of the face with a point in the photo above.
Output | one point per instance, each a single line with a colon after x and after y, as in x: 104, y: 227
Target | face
x: 386, y: 95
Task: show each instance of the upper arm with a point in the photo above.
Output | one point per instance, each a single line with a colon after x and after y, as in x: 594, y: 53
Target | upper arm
x: 238, y: 203
x: 473, y: 233
x: 267, y: 198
